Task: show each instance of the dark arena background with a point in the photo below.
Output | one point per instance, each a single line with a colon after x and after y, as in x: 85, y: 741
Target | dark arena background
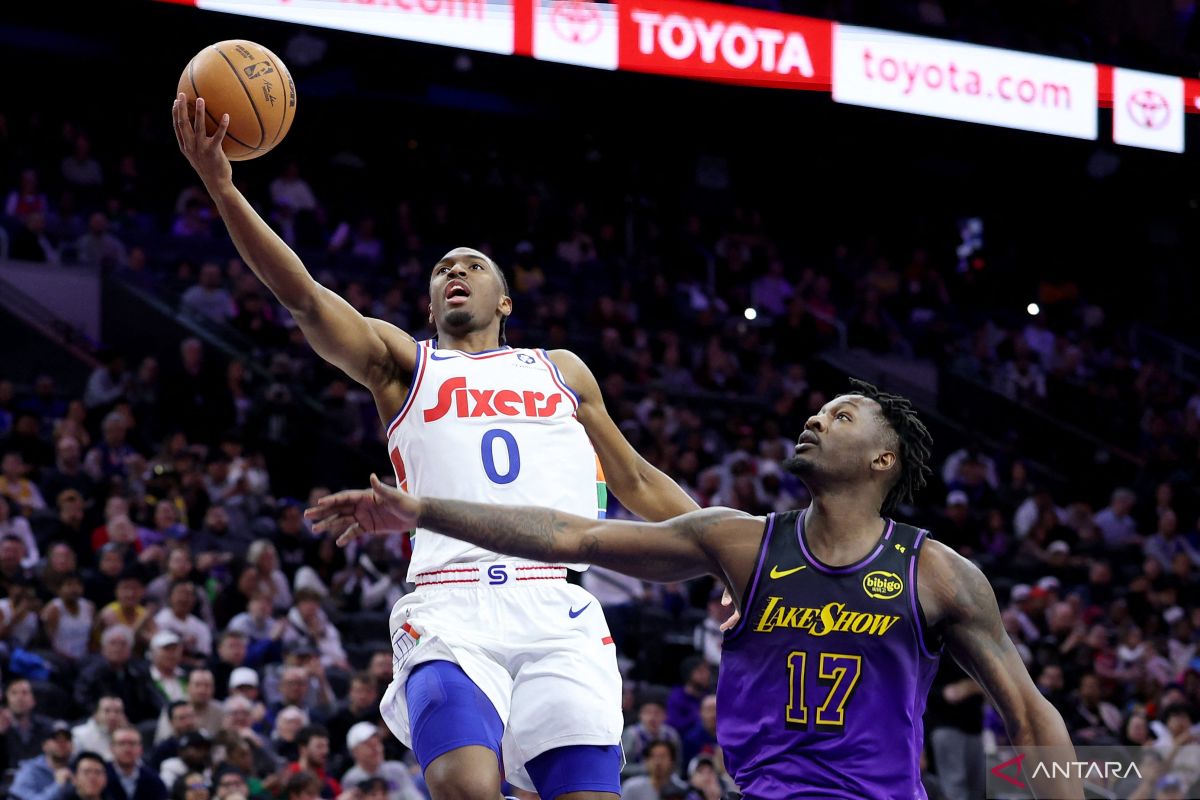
x: 724, y: 244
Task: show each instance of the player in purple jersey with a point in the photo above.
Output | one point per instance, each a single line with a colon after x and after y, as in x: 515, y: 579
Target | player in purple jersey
x: 844, y: 612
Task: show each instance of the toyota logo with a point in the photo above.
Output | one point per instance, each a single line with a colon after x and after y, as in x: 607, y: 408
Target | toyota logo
x: 576, y: 21
x: 1148, y: 109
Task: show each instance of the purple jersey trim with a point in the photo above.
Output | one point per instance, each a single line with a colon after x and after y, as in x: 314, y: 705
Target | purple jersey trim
x: 918, y: 616
x: 748, y: 600
x: 828, y: 570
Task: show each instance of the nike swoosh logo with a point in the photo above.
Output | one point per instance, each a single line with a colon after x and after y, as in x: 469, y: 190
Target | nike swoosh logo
x: 573, y: 613
x: 776, y: 572
x: 436, y: 357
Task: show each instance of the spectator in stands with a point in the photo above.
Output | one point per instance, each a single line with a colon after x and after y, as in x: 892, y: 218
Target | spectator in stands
x: 16, y: 486
x: 166, y: 655
x: 89, y: 778
x: 111, y: 457
x: 100, y: 248
x: 265, y: 559
x: 181, y: 567
x: 24, y: 730
x: 192, y: 389
x: 68, y: 619
x: 177, y: 617
x: 18, y: 528
x: 1177, y: 744
x: 126, y: 609
x: 194, y: 221
x: 1166, y: 543
x: 292, y: 191
x: 32, y: 242
x: 307, y: 622
x: 80, y: 169
x: 195, y: 756
x: 118, y: 673
x: 47, y: 775
x: 683, y: 704
x: 200, y: 690
x: 181, y: 720
x: 701, y: 738
x: 107, y: 384
x: 364, y: 743
x: 96, y: 734
x: 288, y: 724
x: 651, y: 727
x: 1116, y: 522
x: 302, y: 682
x: 128, y: 778
x: 208, y: 298
x: 232, y: 647
x: 27, y: 198
x: 61, y: 559
x: 303, y: 786
x: 67, y: 472
x: 660, y: 781
x: 19, y: 612
x: 362, y: 706
x: 263, y: 632
x: 312, y: 744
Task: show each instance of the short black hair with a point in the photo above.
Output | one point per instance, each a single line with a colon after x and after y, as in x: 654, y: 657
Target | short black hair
x: 914, y: 445
x: 301, y: 782
x: 504, y: 288
x: 87, y: 755
x: 1177, y: 708
x: 667, y: 743
x: 309, y: 732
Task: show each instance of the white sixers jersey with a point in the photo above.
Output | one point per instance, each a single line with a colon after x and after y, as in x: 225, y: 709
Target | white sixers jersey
x: 492, y: 427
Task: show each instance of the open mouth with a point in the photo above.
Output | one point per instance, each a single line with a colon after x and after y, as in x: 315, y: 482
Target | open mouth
x: 457, y: 293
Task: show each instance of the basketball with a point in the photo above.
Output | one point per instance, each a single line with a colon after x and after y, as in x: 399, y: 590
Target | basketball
x: 249, y: 83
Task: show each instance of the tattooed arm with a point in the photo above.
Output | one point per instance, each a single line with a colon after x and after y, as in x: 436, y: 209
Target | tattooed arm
x: 960, y: 605
x: 721, y: 541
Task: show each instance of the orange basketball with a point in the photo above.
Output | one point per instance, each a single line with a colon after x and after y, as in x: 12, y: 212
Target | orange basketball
x: 249, y: 83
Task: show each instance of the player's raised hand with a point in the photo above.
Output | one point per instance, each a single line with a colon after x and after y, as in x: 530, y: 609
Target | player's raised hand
x: 352, y: 513
x: 203, y: 152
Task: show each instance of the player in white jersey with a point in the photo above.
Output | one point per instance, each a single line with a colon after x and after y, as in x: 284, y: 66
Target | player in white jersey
x: 499, y: 664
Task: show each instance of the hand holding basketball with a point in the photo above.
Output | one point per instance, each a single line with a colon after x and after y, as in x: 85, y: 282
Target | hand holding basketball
x: 203, y: 152
x: 249, y: 83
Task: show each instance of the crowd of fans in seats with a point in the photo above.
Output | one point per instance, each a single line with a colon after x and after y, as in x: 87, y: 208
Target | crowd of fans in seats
x: 169, y: 624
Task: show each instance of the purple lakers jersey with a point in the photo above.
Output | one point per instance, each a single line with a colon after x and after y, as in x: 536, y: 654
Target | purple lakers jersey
x: 823, y: 682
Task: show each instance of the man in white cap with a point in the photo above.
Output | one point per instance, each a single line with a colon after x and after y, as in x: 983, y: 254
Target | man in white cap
x: 166, y: 651
x: 366, y: 748
x: 1021, y: 599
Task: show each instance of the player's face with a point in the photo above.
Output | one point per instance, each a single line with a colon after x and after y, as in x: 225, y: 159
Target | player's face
x: 844, y: 440
x: 466, y: 293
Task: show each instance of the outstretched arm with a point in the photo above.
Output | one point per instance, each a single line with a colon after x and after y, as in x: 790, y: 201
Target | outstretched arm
x: 639, y: 485
x: 694, y: 544
x: 371, y: 352
x: 958, y: 596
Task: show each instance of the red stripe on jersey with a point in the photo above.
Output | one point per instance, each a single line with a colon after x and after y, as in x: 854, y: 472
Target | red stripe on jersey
x: 606, y: 640
x: 398, y: 464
